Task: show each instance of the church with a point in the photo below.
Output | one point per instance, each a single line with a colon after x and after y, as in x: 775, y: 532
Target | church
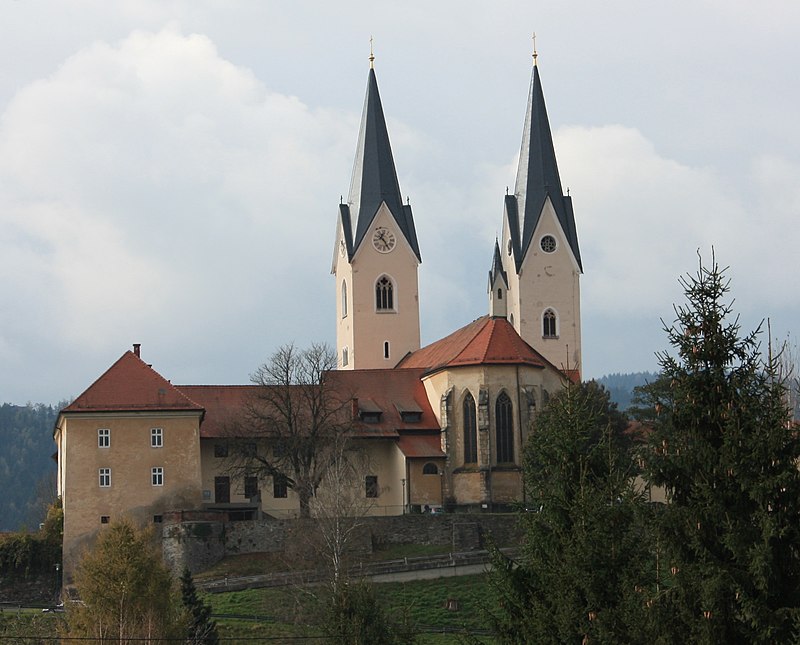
x: 444, y: 425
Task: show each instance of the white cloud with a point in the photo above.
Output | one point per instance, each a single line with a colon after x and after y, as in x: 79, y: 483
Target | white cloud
x: 152, y: 189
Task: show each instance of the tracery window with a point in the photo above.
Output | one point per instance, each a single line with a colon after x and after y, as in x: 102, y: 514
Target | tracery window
x: 504, y: 424
x: 470, y: 430
x: 549, y: 324
x: 384, y: 294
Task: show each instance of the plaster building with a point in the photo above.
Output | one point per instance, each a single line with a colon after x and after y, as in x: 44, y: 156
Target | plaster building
x: 443, y: 425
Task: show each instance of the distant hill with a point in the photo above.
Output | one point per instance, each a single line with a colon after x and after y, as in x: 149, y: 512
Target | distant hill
x: 620, y: 386
x: 27, y: 471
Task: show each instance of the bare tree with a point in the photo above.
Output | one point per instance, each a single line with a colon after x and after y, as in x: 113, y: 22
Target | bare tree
x: 339, y: 509
x: 294, y: 424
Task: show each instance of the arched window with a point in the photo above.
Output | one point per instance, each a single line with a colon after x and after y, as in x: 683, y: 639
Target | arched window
x: 549, y: 324
x: 345, y: 357
x: 386, y: 349
x: 470, y: 431
x: 499, y: 294
x: 384, y: 294
x: 511, y: 319
x: 430, y: 469
x: 344, y: 299
x: 504, y: 423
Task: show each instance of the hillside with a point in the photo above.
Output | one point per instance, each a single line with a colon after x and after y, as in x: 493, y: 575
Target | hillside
x: 27, y: 471
x: 621, y: 386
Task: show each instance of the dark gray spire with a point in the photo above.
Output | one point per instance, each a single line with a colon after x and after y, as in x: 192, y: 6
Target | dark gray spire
x: 497, y: 270
x: 538, y: 178
x: 374, y: 177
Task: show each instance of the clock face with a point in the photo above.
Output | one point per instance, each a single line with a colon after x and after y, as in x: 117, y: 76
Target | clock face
x: 383, y: 240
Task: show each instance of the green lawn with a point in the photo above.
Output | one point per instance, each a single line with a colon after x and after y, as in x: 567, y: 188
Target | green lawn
x: 296, y: 612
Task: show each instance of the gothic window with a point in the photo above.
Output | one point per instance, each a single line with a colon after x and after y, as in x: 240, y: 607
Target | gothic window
x: 470, y: 431
x: 499, y: 294
x: 344, y: 299
x: 384, y: 294
x: 549, y: 329
x: 504, y: 425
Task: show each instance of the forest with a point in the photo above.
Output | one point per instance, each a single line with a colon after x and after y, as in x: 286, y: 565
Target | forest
x: 27, y: 467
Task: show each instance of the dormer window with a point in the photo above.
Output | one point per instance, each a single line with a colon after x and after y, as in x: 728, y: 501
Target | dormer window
x: 409, y: 411
x: 368, y: 411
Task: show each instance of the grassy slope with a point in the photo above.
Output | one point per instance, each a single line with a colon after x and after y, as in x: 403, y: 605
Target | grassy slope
x: 295, y: 612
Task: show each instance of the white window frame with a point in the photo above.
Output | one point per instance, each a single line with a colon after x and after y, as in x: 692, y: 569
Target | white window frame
x: 104, y: 477
x: 103, y: 437
x: 157, y: 476
x: 156, y: 437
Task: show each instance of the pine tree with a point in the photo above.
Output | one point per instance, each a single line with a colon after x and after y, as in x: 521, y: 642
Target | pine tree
x: 201, y: 630
x: 585, y: 564
x: 724, y: 451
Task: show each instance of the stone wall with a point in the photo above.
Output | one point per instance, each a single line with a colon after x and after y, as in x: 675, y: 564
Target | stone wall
x: 199, y: 540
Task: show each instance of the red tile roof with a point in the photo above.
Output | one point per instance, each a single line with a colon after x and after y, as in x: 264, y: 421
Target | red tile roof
x: 384, y: 391
x: 130, y: 384
x: 390, y: 391
x: 223, y: 405
x: 416, y: 445
x: 485, y: 341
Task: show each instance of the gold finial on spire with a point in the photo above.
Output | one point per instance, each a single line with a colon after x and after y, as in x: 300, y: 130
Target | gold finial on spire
x: 534, y: 49
x: 371, y: 55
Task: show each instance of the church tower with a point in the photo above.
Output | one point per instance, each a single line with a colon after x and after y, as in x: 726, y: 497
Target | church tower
x: 540, y: 254
x: 376, y: 254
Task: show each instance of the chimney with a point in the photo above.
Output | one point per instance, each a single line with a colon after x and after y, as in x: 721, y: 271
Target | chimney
x: 136, y: 348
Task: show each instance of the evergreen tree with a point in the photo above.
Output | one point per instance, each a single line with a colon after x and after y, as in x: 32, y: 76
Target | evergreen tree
x: 585, y: 565
x: 724, y: 450
x: 201, y: 629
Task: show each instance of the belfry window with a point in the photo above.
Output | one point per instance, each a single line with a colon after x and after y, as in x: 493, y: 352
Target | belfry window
x: 470, y: 430
x: 504, y: 423
x: 499, y: 294
x: 384, y: 294
x: 549, y: 324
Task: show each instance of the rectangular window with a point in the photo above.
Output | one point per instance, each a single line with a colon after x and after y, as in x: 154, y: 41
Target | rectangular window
x: 279, y: 487
x: 158, y: 476
x: 371, y: 485
x: 104, y: 519
x: 158, y: 519
x: 156, y: 437
x: 251, y: 487
x: 103, y: 437
x: 222, y: 490
x: 105, y: 477
x: 220, y: 450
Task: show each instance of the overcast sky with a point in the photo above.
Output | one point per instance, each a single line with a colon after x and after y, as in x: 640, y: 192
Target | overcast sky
x: 170, y: 171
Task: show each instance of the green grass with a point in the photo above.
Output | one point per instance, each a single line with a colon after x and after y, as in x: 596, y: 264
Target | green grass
x: 296, y: 612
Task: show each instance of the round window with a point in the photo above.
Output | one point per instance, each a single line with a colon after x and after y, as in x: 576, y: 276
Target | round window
x: 548, y: 244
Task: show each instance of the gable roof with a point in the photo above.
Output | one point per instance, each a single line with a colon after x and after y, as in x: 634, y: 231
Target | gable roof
x: 131, y: 385
x: 485, y: 341
x: 387, y: 393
